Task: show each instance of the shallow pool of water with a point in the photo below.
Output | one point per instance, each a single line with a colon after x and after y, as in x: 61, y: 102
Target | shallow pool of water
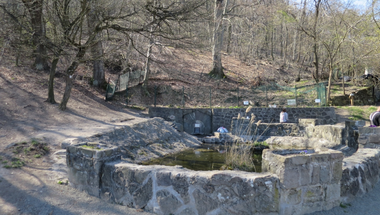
x: 199, y: 159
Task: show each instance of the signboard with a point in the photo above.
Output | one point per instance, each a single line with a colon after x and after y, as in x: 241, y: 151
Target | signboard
x: 197, y: 125
x: 246, y: 103
x: 272, y: 106
x: 291, y: 102
x: 317, y: 101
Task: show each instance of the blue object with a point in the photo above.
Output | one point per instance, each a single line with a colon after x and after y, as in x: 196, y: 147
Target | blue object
x: 222, y: 130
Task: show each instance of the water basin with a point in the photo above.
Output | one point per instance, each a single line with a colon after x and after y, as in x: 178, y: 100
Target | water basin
x: 201, y: 159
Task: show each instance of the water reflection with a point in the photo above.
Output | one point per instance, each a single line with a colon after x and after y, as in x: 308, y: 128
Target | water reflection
x: 199, y: 159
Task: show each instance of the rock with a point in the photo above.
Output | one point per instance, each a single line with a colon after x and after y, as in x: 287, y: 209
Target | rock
x: 142, y: 195
x: 204, y: 203
x: 69, y: 142
x: 168, y: 202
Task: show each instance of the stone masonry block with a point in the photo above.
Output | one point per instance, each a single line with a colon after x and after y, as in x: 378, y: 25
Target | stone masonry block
x: 293, y: 196
x: 315, y: 175
x: 290, y: 178
x: 375, y: 138
x: 325, y: 174
x: 313, y: 194
x: 363, y: 140
x: 300, y: 160
x: 305, y: 176
x: 332, y: 192
x: 336, y: 171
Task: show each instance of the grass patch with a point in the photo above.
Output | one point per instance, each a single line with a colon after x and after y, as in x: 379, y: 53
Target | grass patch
x: 30, y: 150
x: 17, y: 163
x: 34, y: 143
x: 344, y: 205
x: 261, y: 144
x: 359, y: 112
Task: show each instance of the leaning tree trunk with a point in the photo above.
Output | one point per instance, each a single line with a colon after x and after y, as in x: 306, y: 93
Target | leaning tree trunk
x: 69, y: 82
x: 96, y: 50
x: 35, y: 10
x: 329, y: 86
x: 217, y: 43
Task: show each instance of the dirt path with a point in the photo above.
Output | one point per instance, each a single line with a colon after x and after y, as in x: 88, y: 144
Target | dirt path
x: 342, y: 115
x: 33, y: 189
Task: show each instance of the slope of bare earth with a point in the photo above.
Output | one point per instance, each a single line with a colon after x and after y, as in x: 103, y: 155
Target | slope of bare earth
x: 33, y: 189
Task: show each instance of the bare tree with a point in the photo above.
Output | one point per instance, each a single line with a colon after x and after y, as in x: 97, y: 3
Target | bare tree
x: 35, y: 8
x: 217, y: 39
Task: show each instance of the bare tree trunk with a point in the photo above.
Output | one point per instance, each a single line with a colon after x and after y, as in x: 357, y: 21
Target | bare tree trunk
x: 147, y: 66
x: 51, y: 98
x: 66, y: 95
x: 35, y: 10
x: 217, y: 68
x: 97, y: 49
x: 329, y: 86
x: 69, y: 82
x: 344, y: 87
x: 229, y: 38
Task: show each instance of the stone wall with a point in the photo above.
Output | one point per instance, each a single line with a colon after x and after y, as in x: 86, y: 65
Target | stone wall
x: 308, y: 133
x: 369, y: 137
x: 362, y: 97
x: 85, y: 166
x: 145, y: 140
x: 246, y: 127
x: 309, y: 182
x: 291, y: 182
x: 332, y: 133
x: 223, y: 116
x: 174, y: 190
x: 360, y: 173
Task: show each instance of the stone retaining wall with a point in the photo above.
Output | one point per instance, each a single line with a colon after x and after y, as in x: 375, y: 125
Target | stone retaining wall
x: 174, y: 190
x: 360, y: 174
x: 212, y: 119
x: 307, y: 133
x: 294, y: 184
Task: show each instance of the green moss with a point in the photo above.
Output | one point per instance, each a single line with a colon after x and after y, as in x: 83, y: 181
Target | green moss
x: 91, y: 147
x: 309, y: 194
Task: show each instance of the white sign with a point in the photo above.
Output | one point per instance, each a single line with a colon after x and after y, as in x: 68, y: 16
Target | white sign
x: 272, y: 106
x: 291, y: 102
x: 317, y: 101
x: 246, y: 103
x: 197, y: 125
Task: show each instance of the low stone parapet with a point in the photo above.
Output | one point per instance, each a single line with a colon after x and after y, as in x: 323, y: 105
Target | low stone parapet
x: 175, y: 190
x: 369, y: 137
x: 299, y: 143
x: 85, y: 166
x: 332, y: 133
x: 310, y: 181
x: 240, y: 126
x: 360, y: 174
